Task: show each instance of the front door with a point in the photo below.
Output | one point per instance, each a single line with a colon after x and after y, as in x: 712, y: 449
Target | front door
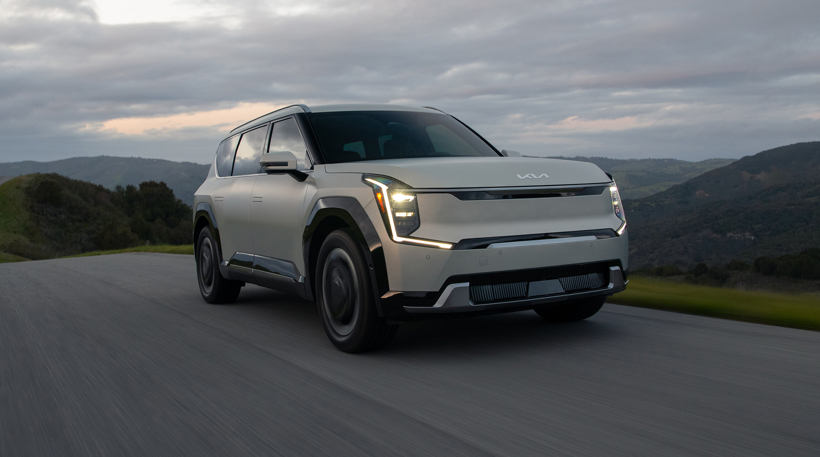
x: 277, y: 210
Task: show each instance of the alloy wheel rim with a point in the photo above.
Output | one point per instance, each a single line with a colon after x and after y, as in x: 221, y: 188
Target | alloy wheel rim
x: 341, y: 297
x: 206, y: 266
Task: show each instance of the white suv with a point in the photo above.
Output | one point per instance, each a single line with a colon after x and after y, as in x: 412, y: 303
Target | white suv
x: 383, y: 214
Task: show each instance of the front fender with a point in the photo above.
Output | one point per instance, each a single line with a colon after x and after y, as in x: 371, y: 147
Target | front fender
x: 353, y: 214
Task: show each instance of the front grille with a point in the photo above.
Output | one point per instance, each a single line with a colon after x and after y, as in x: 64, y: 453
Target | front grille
x: 512, y: 285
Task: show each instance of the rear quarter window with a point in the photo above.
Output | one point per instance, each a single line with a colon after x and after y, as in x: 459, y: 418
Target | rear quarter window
x: 224, y: 156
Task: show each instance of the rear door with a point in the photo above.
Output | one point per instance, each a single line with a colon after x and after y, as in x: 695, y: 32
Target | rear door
x: 278, y: 208
x: 233, y: 198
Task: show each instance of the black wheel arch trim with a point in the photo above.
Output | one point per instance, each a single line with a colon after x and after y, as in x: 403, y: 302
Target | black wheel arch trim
x: 349, y: 210
x: 204, y: 210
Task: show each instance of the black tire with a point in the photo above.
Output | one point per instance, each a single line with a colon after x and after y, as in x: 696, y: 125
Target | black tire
x: 344, y: 295
x: 214, y: 287
x: 573, y: 311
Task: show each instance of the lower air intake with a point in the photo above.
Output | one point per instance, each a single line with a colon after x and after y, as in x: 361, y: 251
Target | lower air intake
x: 583, y: 282
x: 514, y: 285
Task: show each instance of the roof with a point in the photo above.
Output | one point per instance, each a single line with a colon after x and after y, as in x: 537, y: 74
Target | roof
x: 293, y: 109
x: 367, y: 107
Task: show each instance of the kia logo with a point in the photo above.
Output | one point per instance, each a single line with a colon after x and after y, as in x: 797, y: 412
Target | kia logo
x: 532, y: 176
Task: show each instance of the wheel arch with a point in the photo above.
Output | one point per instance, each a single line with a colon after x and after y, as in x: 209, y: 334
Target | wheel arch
x: 333, y: 213
x: 204, y: 217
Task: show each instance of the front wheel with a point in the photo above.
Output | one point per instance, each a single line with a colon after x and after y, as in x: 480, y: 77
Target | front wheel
x: 214, y: 287
x: 345, y: 298
x: 573, y: 311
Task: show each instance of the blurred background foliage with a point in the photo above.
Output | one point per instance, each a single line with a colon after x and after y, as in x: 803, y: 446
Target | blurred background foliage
x: 49, y: 215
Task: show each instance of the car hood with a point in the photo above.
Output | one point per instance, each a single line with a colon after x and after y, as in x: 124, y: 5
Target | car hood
x: 478, y: 172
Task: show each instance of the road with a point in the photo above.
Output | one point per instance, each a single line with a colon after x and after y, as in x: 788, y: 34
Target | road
x: 119, y: 355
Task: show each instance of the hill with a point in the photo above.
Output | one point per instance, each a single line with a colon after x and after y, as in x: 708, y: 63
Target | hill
x: 48, y: 215
x: 638, y: 178
x: 760, y: 205
x: 184, y: 178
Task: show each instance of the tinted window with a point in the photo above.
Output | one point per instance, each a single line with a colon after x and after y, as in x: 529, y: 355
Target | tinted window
x: 357, y: 147
x: 286, y: 137
x: 373, y: 135
x: 249, y: 152
x: 224, y: 156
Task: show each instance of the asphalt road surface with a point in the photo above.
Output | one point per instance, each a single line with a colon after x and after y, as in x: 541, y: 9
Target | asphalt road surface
x: 119, y: 355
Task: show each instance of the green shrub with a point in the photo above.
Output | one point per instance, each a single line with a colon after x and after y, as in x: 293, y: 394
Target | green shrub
x: 666, y: 270
x: 699, y: 270
x: 765, y: 265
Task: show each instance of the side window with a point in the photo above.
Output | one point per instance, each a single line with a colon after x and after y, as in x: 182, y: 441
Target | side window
x: 224, y: 156
x: 249, y: 152
x: 286, y: 137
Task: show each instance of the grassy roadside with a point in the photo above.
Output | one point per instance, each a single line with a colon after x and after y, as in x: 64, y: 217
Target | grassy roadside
x: 8, y: 258
x: 162, y: 249
x: 785, y: 310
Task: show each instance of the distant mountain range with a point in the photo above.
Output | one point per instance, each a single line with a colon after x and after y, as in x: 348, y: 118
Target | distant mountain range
x: 638, y: 178
x: 184, y: 178
x: 767, y: 204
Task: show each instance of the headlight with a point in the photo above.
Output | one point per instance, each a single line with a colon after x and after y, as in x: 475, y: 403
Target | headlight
x: 618, y: 207
x: 400, y: 210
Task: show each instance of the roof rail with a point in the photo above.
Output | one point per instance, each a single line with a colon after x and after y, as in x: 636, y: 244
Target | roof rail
x: 430, y: 107
x: 304, y: 108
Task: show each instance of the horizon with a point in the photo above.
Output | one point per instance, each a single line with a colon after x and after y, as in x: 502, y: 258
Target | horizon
x: 628, y: 80
x: 545, y: 157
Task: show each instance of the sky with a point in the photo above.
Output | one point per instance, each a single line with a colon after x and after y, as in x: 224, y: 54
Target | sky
x: 686, y: 79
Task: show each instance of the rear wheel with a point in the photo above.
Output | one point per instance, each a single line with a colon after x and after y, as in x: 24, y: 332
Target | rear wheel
x: 345, y: 299
x: 573, y: 311
x: 214, y: 287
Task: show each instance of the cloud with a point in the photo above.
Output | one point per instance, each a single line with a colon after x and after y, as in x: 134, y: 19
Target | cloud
x: 221, y: 119
x: 635, y: 78
x: 576, y: 124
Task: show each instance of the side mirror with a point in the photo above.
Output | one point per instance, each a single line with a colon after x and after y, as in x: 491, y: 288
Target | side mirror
x: 509, y: 153
x: 282, y: 161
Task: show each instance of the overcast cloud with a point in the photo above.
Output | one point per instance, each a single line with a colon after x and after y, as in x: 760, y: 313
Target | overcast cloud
x: 679, y: 78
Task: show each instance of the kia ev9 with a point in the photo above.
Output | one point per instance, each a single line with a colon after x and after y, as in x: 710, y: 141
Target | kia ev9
x: 382, y: 214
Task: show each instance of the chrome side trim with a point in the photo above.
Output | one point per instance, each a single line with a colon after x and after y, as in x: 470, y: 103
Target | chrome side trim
x: 515, y: 244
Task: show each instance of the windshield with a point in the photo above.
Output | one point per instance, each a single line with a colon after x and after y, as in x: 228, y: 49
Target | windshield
x: 349, y: 136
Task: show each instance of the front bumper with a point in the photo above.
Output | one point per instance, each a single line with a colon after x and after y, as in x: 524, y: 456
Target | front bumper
x: 425, y: 282
x: 457, y: 299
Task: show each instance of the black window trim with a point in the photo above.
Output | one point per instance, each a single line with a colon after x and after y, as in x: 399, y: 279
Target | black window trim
x: 269, y: 126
